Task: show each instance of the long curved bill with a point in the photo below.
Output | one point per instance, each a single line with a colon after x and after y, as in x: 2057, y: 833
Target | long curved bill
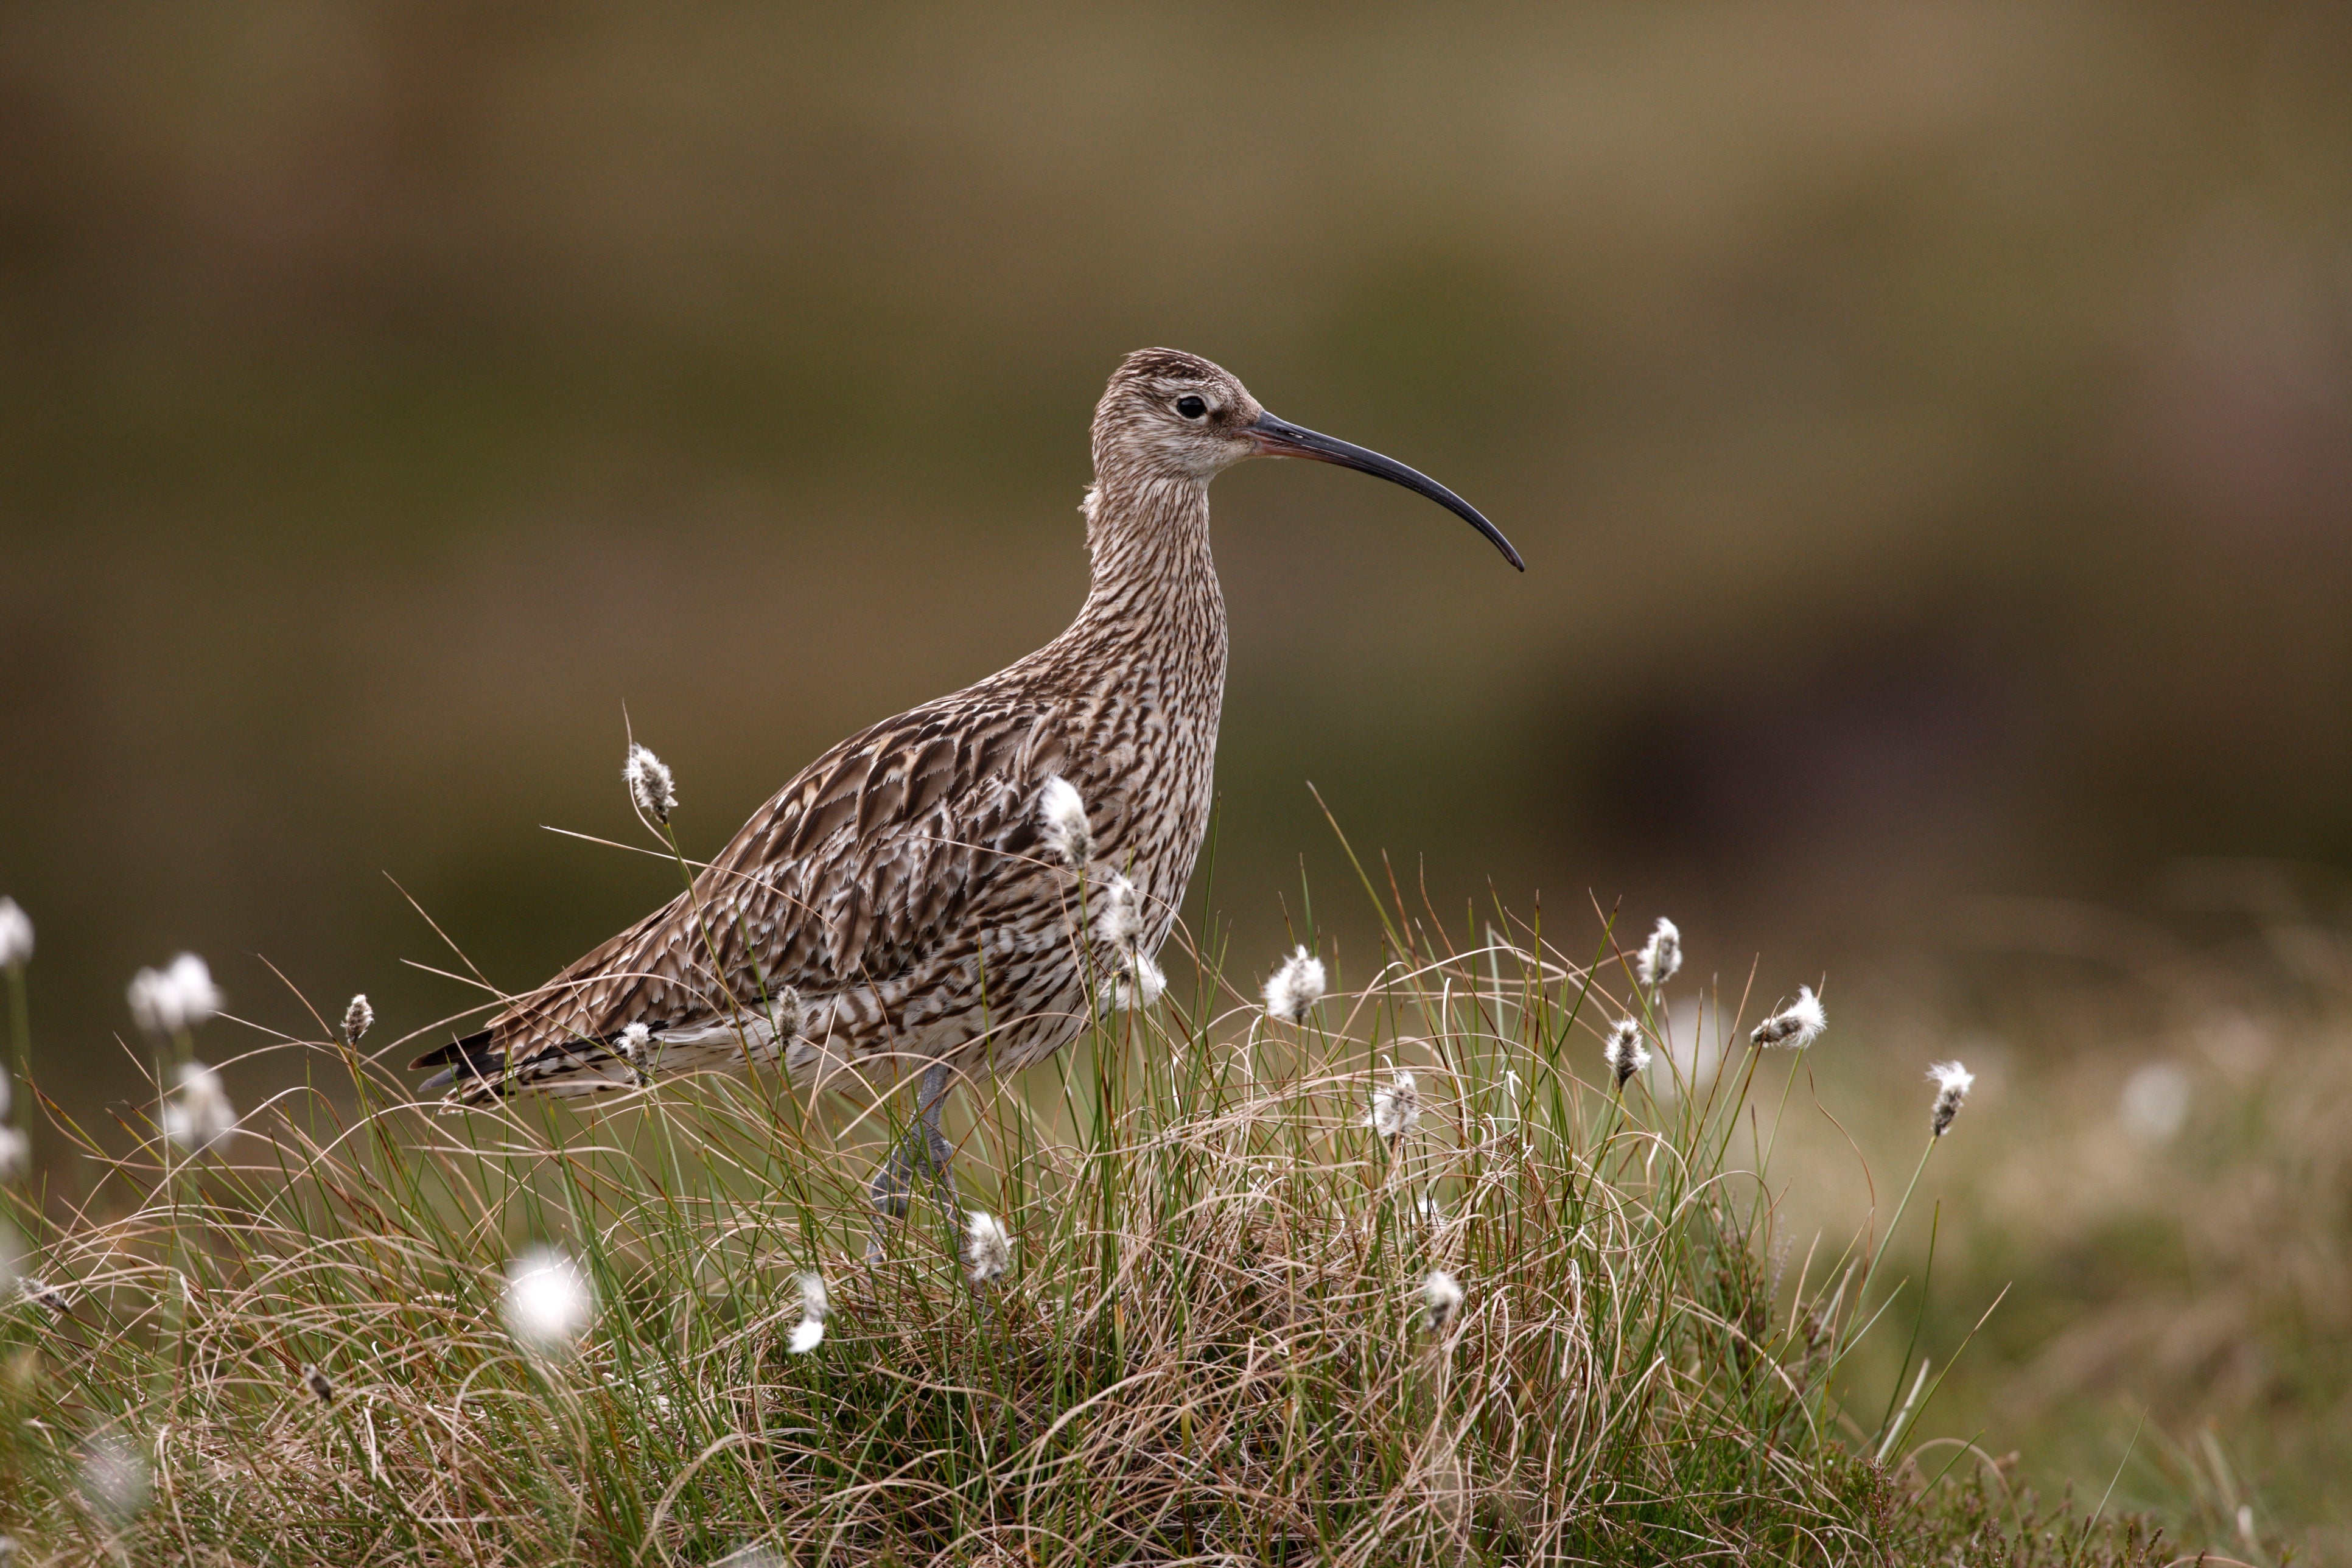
x: 1281, y: 438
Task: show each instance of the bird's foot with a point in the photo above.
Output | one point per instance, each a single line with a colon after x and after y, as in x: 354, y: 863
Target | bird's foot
x: 912, y: 1159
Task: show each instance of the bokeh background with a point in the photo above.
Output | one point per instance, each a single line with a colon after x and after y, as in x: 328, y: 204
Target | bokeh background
x: 1929, y: 427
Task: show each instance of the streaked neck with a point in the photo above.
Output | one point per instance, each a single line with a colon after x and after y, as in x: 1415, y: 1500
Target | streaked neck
x: 1149, y: 541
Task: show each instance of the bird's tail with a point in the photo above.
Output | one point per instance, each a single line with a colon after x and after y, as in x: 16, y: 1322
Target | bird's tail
x: 472, y: 1068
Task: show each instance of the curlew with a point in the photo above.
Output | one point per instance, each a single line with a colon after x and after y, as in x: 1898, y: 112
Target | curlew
x: 964, y: 884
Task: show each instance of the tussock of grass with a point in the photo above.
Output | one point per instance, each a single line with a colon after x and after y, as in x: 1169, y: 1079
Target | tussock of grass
x: 1214, y: 1345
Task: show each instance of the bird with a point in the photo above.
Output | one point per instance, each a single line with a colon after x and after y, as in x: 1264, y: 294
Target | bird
x: 957, y: 888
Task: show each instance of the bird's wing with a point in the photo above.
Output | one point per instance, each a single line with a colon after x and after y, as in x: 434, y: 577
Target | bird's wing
x: 851, y: 873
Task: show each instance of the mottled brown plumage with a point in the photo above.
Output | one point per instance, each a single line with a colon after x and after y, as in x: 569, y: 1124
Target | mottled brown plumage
x: 898, y: 904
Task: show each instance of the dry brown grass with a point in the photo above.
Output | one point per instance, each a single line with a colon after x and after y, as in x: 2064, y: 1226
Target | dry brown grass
x: 1213, y: 1346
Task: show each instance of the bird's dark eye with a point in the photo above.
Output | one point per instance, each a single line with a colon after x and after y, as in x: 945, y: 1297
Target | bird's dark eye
x: 1191, y: 407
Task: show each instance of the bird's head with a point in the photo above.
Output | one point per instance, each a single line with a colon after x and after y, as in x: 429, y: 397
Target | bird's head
x: 1167, y: 413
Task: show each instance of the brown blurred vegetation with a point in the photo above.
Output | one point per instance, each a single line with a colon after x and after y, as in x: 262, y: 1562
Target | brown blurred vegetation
x: 1929, y: 427
x: 2153, y: 1176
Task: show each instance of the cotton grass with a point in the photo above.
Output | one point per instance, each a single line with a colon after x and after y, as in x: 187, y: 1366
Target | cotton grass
x: 816, y: 1306
x: 176, y: 998
x: 1236, y: 1330
x: 987, y: 1248
x: 1952, y: 1083
x: 1797, y: 1025
x: 1296, y: 986
x: 1062, y: 823
x: 198, y: 1113
x: 548, y: 1303
x: 16, y: 935
x: 652, y: 789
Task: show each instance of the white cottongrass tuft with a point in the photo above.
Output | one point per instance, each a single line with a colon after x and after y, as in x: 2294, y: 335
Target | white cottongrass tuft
x: 1120, y: 918
x: 816, y: 1306
x: 15, y: 1153
x: 41, y: 1293
x: 1660, y: 957
x: 1294, y: 987
x: 1441, y: 1295
x: 1396, y: 1108
x: 753, y: 1556
x: 987, y: 1248
x: 1062, y: 819
x: 632, y: 1043
x: 1118, y: 921
x: 16, y: 935
x: 549, y: 1301
x: 1625, y: 1053
x: 650, y: 784
x: 322, y: 1387
x: 1428, y: 1210
x: 198, y: 1114
x: 1953, y: 1082
x: 115, y: 1479
x: 2154, y: 1104
x: 1796, y: 1026
x: 787, y: 1013
x: 358, y: 1019
x: 178, y: 996
x: 1140, y: 987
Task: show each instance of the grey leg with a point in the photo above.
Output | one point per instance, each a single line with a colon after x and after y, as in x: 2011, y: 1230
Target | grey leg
x: 933, y: 1093
x: 925, y: 1148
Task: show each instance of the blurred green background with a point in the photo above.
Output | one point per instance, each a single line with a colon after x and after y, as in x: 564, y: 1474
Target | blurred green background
x: 1929, y: 428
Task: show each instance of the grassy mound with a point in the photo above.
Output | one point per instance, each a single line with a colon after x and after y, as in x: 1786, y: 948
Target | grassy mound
x: 1416, y: 1277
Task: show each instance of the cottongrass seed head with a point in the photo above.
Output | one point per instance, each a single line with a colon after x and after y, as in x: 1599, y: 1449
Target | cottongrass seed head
x: 1625, y: 1053
x: 1294, y: 987
x: 1140, y: 987
x: 198, y: 1114
x: 1137, y: 982
x: 15, y: 1153
x: 16, y: 935
x: 1661, y: 957
x: 1953, y: 1082
x: 816, y: 1306
x: 1440, y: 1296
x: 358, y: 1019
x: 1797, y: 1025
x: 178, y: 996
x: 1062, y: 821
x: 650, y: 784
x: 1396, y: 1108
x: 754, y: 1556
x: 987, y: 1248
x: 548, y: 1303
x: 787, y: 1013
x: 1118, y: 918
x: 115, y: 1480
x: 322, y: 1387
x: 40, y: 1292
